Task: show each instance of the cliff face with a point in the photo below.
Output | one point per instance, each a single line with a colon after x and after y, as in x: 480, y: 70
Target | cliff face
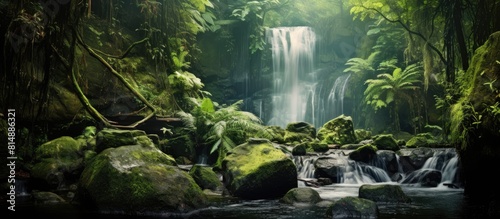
x: 476, y: 120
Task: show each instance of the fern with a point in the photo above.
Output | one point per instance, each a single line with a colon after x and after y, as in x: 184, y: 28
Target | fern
x: 391, y: 88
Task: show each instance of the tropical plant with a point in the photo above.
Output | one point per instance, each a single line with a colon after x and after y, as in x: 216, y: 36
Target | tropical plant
x: 392, y: 88
x: 360, y: 65
x: 220, y: 129
x: 254, y: 13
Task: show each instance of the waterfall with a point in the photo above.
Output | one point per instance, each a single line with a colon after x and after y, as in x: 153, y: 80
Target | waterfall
x: 293, y: 61
x: 300, y: 91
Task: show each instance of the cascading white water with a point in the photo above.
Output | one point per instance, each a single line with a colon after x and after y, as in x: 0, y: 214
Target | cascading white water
x: 301, y: 92
x: 352, y: 172
x: 444, y: 161
x: 293, y: 58
x: 336, y: 96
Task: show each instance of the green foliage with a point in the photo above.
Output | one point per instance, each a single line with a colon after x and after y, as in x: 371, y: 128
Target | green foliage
x: 359, y: 65
x: 221, y: 128
x: 201, y: 18
x: 254, y: 12
x: 392, y: 88
x: 185, y: 82
x: 179, y: 59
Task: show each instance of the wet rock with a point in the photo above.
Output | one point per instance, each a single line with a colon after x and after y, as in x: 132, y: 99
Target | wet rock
x: 58, y: 163
x: 258, y: 170
x: 301, y: 197
x: 205, y: 177
x: 136, y: 179
x: 339, y: 130
x: 353, y: 207
x: 384, y: 193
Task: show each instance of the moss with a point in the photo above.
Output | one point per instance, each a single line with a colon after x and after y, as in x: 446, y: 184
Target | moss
x: 291, y: 137
x: 385, y: 142
x: 140, y: 181
x: 300, y: 149
x: 301, y: 195
x: 457, y: 116
x: 318, y: 146
x: 259, y: 170
x: 417, y: 142
x: 205, y: 177
x: 62, y: 147
x: 364, y: 153
x: 261, y: 152
x: 383, y: 193
x: 353, y: 206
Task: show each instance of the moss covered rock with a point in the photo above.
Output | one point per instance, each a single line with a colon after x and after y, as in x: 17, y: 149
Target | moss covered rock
x: 417, y: 141
x: 362, y: 134
x: 383, y: 193
x: 365, y: 153
x: 300, y: 149
x: 205, y: 177
x: 256, y: 170
x: 277, y: 133
x: 385, y: 142
x: 135, y: 179
x: 317, y: 146
x: 339, y: 130
x: 110, y: 138
x: 180, y: 146
x: 353, y: 207
x: 301, y: 196
x: 299, y: 132
x: 58, y: 162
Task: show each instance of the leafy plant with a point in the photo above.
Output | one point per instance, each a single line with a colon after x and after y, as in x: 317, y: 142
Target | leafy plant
x: 392, y: 89
x: 254, y: 12
x: 220, y: 129
x: 360, y: 65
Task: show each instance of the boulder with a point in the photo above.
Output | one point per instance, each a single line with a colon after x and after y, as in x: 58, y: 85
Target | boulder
x: 353, y: 207
x: 135, y: 179
x: 385, y: 142
x: 385, y: 193
x: 339, y: 130
x: 57, y: 163
x: 299, y: 132
x: 110, y: 138
x: 257, y: 169
x: 330, y: 167
x: 365, y: 153
x: 205, y: 177
x: 303, y: 196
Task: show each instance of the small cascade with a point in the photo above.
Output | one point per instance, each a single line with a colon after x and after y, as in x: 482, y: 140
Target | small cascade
x: 305, y: 167
x: 336, y: 97
x: 438, y: 170
x: 450, y: 170
x: 347, y: 171
x: 360, y: 173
